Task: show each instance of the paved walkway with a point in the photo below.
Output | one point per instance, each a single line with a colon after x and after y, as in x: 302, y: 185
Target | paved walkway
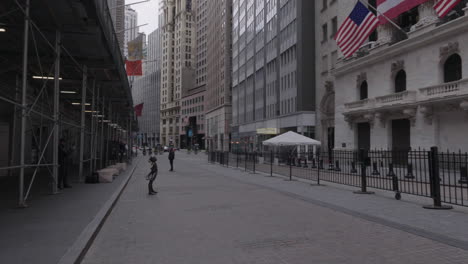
x: 208, y: 214
x: 46, y: 230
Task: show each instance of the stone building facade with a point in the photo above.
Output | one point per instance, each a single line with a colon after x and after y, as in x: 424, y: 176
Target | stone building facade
x: 401, y: 92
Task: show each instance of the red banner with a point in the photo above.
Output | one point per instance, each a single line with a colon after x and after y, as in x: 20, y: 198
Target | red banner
x: 139, y: 109
x: 134, y: 68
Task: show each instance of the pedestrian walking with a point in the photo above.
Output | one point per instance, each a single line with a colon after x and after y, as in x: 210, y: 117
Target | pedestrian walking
x: 171, y: 158
x: 63, y: 170
x: 151, y: 177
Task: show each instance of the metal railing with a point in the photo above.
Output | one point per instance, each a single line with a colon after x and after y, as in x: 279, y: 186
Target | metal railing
x: 442, y: 176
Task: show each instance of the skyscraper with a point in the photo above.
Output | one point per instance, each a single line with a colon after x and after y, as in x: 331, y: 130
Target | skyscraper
x: 131, y: 30
x: 146, y: 91
x: 218, y: 68
x: 178, y: 64
x: 193, y: 99
x: 273, y: 69
x: 117, y: 11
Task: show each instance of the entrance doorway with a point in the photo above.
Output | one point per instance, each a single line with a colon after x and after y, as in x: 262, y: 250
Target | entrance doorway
x: 401, y: 140
x: 364, y: 136
x: 331, y: 138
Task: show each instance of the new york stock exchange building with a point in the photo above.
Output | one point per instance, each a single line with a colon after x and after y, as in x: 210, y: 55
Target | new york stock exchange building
x: 407, y: 91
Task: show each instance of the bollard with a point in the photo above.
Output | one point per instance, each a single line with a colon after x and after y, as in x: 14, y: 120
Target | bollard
x: 237, y: 160
x: 463, y: 175
x: 390, y: 173
x: 254, y: 161
x: 227, y: 161
x: 410, y: 174
x: 396, y: 188
x: 337, y: 165
x: 363, y: 181
x: 375, y: 170
x: 271, y: 163
x: 245, y: 160
x: 363, y: 160
x: 353, y: 167
x: 435, y: 181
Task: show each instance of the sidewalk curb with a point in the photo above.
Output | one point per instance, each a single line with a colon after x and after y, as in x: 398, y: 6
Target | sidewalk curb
x: 81, y: 245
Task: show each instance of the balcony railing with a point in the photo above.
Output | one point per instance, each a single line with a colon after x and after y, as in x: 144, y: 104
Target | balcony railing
x: 360, y: 105
x: 447, y: 91
x: 397, y: 98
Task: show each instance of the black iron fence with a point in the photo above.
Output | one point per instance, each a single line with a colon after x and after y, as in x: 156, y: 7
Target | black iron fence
x: 442, y: 176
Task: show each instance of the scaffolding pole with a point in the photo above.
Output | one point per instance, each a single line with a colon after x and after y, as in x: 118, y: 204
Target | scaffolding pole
x: 91, y: 136
x: 83, y: 121
x: 109, y: 135
x: 21, y: 201
x: 56, y: 113
x: 96, y: 129
x: 101, y: 153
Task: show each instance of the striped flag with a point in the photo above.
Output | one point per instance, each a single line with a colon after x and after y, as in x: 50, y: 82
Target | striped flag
x: 139, y: 110
x: 443, y: 7
x: 393, y: 8
x: 355, y: 29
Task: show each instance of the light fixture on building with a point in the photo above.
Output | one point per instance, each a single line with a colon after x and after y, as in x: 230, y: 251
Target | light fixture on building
x: 46, y: 77
x: 90, y: 111
x: 68, y: 92
x: 80, y: 104
x: 2, y: 29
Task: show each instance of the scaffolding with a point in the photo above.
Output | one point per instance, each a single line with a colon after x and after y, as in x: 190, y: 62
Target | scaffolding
x: 45, y: 97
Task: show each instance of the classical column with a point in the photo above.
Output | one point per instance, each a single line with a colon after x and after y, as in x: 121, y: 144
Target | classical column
x: 385, y: 33
x: 427, y: 14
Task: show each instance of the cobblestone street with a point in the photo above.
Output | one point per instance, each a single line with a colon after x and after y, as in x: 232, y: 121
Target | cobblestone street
x: 202, y: 214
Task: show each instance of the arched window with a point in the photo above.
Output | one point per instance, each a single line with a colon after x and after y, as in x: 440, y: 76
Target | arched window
x: 363, y: 91
x: 453, y: 68
x: 400, y: 81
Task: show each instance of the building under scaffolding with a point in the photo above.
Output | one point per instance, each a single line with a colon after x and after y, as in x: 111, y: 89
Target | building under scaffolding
x: 62, y: 79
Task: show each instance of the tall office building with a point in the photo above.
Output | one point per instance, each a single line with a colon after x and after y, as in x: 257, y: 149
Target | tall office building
x: 146, y: 91
x: 192, y: 129
x: 218, y: 74
x: 178, y: 64
x: 273, y: 69
x: 131, y: 30
x: 117, y: 12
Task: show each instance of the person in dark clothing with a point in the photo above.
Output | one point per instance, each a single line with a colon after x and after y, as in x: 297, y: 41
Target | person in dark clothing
x: 171, y: 158
x: 63, y: 154
x: 151, y: 177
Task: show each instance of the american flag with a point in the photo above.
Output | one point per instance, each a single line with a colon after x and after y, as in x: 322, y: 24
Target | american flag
x: 393, y: 8
x: 443, y: 7
x: 355, y: 29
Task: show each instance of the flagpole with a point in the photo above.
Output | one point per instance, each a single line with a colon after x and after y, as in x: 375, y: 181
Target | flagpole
x: 388, y: 19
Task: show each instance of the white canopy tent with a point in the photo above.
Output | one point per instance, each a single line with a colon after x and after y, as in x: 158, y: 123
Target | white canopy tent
x: 291, y: 139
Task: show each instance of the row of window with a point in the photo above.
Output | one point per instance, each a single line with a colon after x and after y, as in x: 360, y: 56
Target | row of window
x: 452, y: 72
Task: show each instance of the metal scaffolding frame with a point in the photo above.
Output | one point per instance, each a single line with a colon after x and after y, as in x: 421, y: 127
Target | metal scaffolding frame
x: 101, y: 132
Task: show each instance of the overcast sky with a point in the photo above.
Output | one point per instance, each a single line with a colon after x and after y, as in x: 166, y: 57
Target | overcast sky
x: 147, y: 13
